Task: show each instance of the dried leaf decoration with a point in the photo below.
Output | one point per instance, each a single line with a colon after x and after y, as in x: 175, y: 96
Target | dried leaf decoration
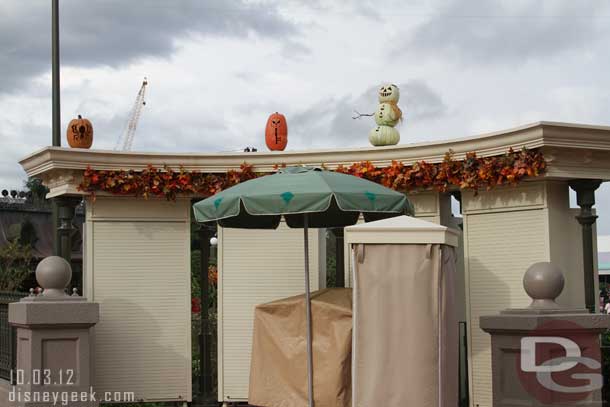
x: 471, y: 173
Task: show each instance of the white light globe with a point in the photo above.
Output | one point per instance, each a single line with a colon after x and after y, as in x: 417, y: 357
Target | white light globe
x: 214, y: 241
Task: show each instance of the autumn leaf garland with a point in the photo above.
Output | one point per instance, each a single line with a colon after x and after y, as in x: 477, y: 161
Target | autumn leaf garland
x: 472, y: 173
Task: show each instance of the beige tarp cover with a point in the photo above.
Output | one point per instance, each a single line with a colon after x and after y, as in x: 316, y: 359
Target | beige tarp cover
x: 278, y: 371
x: 405, y: 329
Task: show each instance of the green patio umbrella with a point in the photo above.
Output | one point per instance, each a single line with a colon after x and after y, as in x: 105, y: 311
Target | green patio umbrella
x: 307, y: 198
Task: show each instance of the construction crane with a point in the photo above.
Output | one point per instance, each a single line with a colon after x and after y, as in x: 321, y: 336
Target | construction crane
x: 125, y: 141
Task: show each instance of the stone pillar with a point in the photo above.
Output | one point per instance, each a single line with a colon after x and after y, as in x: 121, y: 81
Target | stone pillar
x: 585, y: 198
x: 545, y: 354
x: 53, y: 341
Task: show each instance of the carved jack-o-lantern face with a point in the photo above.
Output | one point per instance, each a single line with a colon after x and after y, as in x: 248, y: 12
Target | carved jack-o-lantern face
x: 276, y: 132
x: 80, y: 133
x: 389, y: 94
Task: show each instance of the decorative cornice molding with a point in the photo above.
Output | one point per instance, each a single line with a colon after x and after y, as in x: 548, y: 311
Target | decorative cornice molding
x: 590, y: 143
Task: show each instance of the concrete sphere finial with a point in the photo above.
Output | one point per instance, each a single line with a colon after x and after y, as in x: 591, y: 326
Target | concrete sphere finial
x: 543, y: 282
x: 53, y: 275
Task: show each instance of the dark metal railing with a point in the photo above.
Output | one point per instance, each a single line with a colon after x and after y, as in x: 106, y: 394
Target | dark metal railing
x: 463, y: 366
x: 7, y: 335
x: 212, y: 368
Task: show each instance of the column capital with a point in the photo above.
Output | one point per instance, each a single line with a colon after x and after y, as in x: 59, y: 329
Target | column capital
x: 584, y: 184
x: 585, y: 191
x: 586, y: 220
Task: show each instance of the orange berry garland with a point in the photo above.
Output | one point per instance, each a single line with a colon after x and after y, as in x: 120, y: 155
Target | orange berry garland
x: 472, y: 173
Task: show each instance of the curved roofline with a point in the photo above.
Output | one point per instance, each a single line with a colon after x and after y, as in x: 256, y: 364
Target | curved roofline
x: 532, y: 135
x: 571, y: 150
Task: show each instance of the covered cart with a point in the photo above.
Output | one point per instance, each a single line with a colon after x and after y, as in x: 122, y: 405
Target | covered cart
x: 405, y: 331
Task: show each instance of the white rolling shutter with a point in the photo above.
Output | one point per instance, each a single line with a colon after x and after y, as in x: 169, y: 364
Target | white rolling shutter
x: 138, y: 270
x: 255, y: 267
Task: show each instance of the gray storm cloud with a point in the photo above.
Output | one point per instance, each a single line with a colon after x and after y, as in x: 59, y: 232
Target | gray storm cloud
x: 496, y: 31
x: 114, y: 33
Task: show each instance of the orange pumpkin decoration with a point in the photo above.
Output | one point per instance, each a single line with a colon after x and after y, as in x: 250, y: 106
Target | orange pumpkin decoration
x: 276, y: 132
x: 80, y: 133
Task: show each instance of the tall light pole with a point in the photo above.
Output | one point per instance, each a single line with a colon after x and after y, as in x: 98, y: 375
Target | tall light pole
x: 55, y: 72
x: 56, y: 114
x: 63, y: 207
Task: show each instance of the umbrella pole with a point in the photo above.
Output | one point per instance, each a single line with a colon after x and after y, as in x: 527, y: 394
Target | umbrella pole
x: 308, y: 311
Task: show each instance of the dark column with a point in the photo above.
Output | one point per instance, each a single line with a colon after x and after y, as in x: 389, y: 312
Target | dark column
x: 205, y: 360
x: 340, y: 264
x: 585, y: 198
x: 66, y: 207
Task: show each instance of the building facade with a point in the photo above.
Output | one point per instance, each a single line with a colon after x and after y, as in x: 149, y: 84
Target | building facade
x: 136, y: 249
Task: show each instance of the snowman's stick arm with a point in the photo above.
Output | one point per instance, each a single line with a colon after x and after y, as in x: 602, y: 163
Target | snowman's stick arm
x: 358, y: 115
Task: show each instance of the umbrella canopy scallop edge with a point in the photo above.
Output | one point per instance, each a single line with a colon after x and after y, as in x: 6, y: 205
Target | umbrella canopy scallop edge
x: 329, y: 199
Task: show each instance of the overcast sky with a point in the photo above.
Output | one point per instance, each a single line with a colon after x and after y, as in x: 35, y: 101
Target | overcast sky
x: 218, y: 68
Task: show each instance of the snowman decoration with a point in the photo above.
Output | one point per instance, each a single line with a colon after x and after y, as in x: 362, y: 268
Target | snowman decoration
x: 387, y: 116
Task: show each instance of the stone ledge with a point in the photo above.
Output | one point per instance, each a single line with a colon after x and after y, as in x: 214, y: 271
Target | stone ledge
x: 526, y: 323
x: 49, y: 314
